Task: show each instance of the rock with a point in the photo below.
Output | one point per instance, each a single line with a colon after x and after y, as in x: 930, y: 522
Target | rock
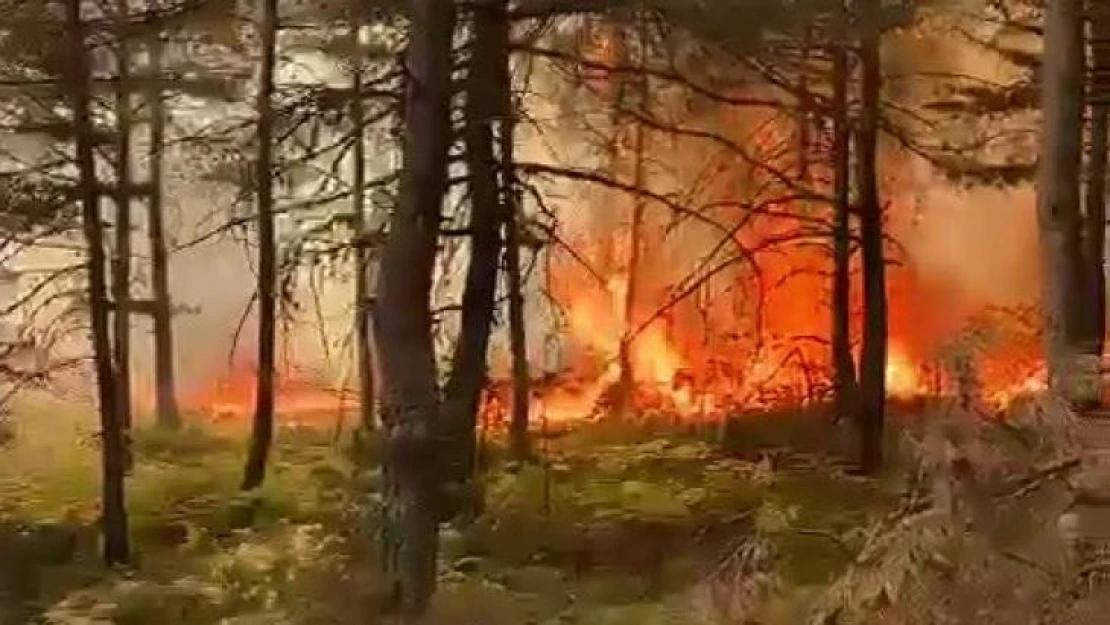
x: 468, y: 564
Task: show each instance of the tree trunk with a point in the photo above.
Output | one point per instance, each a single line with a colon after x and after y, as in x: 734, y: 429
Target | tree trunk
x: 844, y: 367
x: 262, y: 432
x: 518, y: 338
x: 1094, y: 237
x: 402, y: 319
x: 168, y: 415
x: 468, y: 371
x: 113, y: 515
x: 521, y: 446
x: 364, y: 340
x: 872, y: 404
x: 1058, y: 204
x: 121, y: 262
x: 627, y: 380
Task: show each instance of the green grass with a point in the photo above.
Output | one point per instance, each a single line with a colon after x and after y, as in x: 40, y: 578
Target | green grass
x: 616, y: 525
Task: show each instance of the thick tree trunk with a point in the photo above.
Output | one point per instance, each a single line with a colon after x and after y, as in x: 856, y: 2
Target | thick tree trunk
x: 468, y: 370
x: 262, y: 432
x: 844, y: 367
x: 1067, y: 310
x: 872, y: 405
x: 364, y: 339
x: 121, y: 262
x: 168, y: 413
x: 1094, y: 236
x: 113, y: 515
x: 402, y: 319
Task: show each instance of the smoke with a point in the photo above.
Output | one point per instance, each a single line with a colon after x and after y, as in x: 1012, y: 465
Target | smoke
x: 981, y: 243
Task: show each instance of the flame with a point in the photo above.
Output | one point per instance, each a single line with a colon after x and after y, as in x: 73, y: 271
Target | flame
x: 300, y: 399
x: 755, y: 333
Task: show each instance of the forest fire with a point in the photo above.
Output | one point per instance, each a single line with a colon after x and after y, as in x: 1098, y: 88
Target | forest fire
x: 731, y: 311
x: 301, y: 400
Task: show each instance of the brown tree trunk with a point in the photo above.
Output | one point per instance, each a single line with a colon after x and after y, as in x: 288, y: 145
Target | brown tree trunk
x: 262, y: 432
x: 520, y: 442
x: 1066, y: 293
x: 121, y: 262
x: 402, y: 319
x: 518, y: 337
x: 626, y: 384
x: 844, y: 367
x: 468, y: 370
x: 113, y: 515
x: 168, y: 414
x: 872, y: 405
x: 1094, y: 236
x: 364, y: 340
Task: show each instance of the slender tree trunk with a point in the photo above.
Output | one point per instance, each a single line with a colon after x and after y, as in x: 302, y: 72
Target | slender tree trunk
x: 263, y: 427
x: 510, y: 203
x: 364, y: 340
x: 1094, y: 236
x: 121, y: 263
x: 803, y: 119
x: 113, y: 515
x: 874, y: 353
x: 403, y: 321
x: 844, y: 376
x: 1058, y: 202
x: 627, y: 381
x: 165, y: 384
x: 468, y: 371
x: 518, y: 338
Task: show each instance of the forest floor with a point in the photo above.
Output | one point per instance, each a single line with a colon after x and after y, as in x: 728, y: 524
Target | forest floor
x: 620, y: 524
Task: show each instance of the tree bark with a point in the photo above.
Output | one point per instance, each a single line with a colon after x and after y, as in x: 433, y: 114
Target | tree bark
x: 113, y: 515
x: 844, y: 367
x: 1094, y: 236
x: 627, y: 380
x: 1064, y: 278
x: 873, y: 359
x: 520, y: 442
x: 469, y: 367
x: 364, y: 340
x: 518, y: 339
x: 262, y: 432
x: 168, y: 414
x: 403, y: 321
x: 121, y: 261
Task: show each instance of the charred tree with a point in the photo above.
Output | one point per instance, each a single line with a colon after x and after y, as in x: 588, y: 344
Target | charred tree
x: 364, y: 340
x: 1072, y: 375
x: 844, y: 367
x: 403, y: 319
x: 872, y: 398
x: 262, y: 431
x: 121, y: 260
x: 113, y: 514
x: 168, y: 413
x: 468, y: 370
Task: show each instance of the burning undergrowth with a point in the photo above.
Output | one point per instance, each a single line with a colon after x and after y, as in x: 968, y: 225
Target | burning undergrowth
x: 724, y: 306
